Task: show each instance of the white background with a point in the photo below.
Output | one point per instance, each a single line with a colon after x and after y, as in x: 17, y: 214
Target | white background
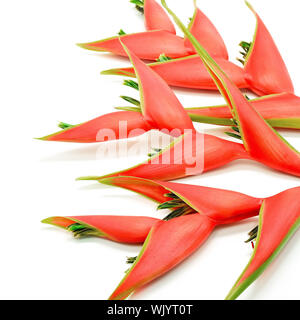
x: 45, y: 78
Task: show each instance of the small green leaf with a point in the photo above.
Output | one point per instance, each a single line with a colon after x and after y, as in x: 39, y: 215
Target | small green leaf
x: 121, y: 32
x: 139, y: 5
x: 252, y: 234
x: 236, y: 129
x: 163, y: 58
x: 156, y: 151
x: 233, y: 135
x: 131, y: 84
x: 246, y: 47
x: 171, y: 195
x: 131, y: 260
x: 131, y: 100
x: 64, y: 125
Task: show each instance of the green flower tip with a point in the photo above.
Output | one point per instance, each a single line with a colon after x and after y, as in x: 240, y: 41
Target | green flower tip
x: 248, y: 4
x: 45, y: 138
x: 49, y: 221
x: 88, y: 178
x: 90, y: 46
x: 110, y: 72
x: 82, y: 45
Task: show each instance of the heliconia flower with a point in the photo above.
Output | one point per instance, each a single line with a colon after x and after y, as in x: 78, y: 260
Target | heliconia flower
x: 156, y: 17
x: 199, y: 211
x: 147, y: 45
x: 104, y: 128
x: 279, y: 110
x: 264, y: 70
x: 279, y: 219
x: 195, y: 212
x: 261, y: 141
x: 125, y: 229
x: 191, y: 154
x: 221, y: 206
x: 161, y: 37
x: 188, y: 72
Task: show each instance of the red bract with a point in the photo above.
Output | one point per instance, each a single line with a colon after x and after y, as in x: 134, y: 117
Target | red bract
x: 188, y: 72
x: 261, y: 141
x: 207, y: 34
x: 161, y: 37
x: 265, y: 69
x: 156, y: 17
x: 279, y: 110
x: 103, y: 128
x: 221, y: 206
x: 146, y: 45
x: 264, y: 72
x: 279, y: 220
x: 155, y: 93
x: 190, y: 154
x: 116, y: 228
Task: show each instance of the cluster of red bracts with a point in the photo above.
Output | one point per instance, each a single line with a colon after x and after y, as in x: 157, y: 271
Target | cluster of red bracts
x: 197, y: 212
x: 264, y: 70
x: 199, y: 60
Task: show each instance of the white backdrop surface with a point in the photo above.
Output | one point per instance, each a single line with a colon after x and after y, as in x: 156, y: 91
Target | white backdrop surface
x: 45, y: 78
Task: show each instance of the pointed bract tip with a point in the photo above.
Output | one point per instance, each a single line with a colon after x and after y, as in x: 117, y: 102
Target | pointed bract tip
x: 48, y: 220
x: 248, y: 4
x: 42, y: 138
x: 90, y: 46
x: 83, y: 45
x: 45, y: 138
x: 110, y: 72
x: 88, y: 178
